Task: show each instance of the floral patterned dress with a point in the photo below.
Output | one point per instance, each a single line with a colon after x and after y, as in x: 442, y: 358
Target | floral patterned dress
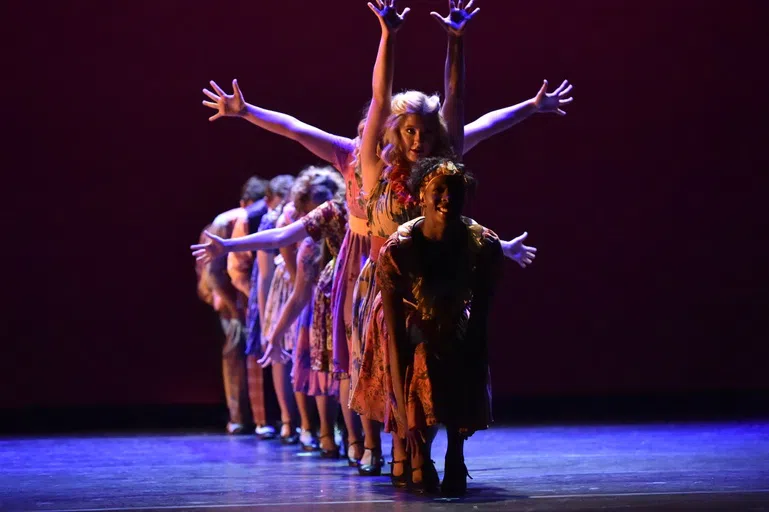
x: 353, y: 254
x: 326, y: 225
x: 446, y: 379
x: 280, y: 290
x: 385, y: 213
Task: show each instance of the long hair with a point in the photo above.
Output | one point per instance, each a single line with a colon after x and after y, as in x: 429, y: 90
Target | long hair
x: 393, y: 154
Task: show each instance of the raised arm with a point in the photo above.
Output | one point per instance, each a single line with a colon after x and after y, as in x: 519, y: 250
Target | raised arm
x: 381, y: 91
x: 322, y: 144
x: 500, y: 120
x: 306, y: 276
x: 453, y: 109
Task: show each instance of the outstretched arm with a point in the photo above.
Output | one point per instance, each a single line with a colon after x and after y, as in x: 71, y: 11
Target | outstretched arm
x: 268, y: 239
x: 381, y: 91
x: 500, y: 120
x: 453, y: 109
x: 322, y: 144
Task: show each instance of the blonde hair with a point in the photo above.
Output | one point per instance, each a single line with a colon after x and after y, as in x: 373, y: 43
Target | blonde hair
x: 418, y: 103
x: 317, y: 185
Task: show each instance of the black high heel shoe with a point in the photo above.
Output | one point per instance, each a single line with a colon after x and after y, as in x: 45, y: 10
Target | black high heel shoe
x: 352, y: 461
x: 455, y: 478
x: 375, y: 468
x: 329, y: 454
x: 400, y: 481
x: 431, y: 482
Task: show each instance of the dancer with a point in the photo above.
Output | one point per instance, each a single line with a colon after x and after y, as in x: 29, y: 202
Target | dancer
x: 437, y: 275
x: 326, y: 224
x: 342, y: 153
x: 261, y: 388
x: 216, y: 288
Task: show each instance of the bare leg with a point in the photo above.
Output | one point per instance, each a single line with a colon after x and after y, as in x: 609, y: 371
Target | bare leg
x: 304, y: 410
x: 371, y: 463
x: 352, y: 422
x: 327, y: 411
x: 282, y: 381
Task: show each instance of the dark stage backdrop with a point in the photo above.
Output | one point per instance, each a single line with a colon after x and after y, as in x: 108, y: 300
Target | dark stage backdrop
x: 644, y: 202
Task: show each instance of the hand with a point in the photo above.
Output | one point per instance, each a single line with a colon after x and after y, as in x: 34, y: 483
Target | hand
x: 516, y: 251
x: 207, y: 252
x: 415, y: 440
x: 553, y: 102
x: 388, y: 15
x: 273, y: 354
x: 458, y: 16
x: 227, y: 105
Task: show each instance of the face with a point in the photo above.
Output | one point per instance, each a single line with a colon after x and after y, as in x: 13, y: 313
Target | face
x: 444, y: 198
x: 273, y: 200
x: 418, y: 136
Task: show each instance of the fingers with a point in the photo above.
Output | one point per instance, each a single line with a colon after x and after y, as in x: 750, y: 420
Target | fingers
x: 543, y: 89
x: 217, y: 88
x: 210, y: 95
x: 523, y: 236
x: 210, y: 104
x: 566, y: 91
x: 565, y: 101
x: 561, y: 87
x: 439, y: 18
x: 472, y: 14
x: 405, y: 12
x: 470, y: 6
x: 560, y: 112
x: 236, y: 89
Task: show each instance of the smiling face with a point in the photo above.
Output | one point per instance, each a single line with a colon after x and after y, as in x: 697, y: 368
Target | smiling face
x: 418, y: 134
x: 444, y: 198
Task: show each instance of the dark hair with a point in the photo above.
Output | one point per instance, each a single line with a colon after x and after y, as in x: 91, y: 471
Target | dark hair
x: 280, y: 186
x: 254, y: 189
x: 317, y: 185
x: 425, y: 166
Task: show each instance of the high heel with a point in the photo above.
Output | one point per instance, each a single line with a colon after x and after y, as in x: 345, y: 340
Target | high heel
x: 287, y: 434
x: 307, y: 441
x: 455, y: 478
x: 375, y: 468
x: 430, y: 481
x: 329, y: 454
x: 402, y: 480
x: 352, y: 461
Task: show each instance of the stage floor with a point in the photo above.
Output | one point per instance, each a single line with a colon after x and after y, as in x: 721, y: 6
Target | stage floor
x: 687, y: 466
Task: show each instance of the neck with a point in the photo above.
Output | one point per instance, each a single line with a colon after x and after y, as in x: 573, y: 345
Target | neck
x: 438, y: 231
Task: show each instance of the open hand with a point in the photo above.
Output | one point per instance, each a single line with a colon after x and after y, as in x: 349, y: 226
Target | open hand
x: 518, y: 252
x: 459, y: 15
x: 211, y: 250
x: 226, y: 105
x: 387, y: 12
x: 552, y: 103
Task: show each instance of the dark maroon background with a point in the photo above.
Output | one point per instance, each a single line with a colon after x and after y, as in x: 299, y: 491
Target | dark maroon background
x: 644, y: 201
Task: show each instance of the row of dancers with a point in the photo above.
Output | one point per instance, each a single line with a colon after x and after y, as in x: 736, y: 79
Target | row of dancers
x: 361, y: 283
